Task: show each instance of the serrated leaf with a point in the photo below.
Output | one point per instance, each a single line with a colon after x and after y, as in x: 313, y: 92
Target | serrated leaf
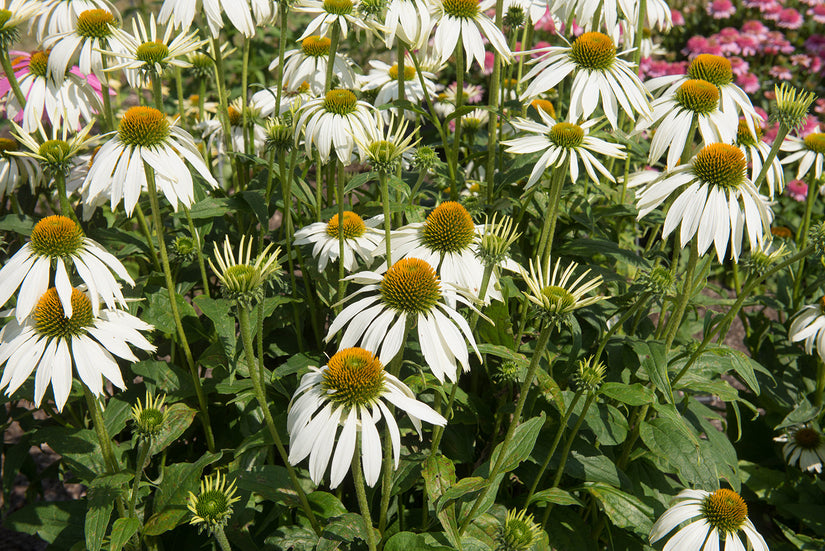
x: 624, y: 510
x: 632, y: 395
x: 522, y: 443
x: 556, y: 496
x: 122, y: 531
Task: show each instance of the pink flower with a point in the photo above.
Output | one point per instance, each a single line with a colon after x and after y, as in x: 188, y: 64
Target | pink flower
x: 748, y: 82
x: 748, y: 44
x: 797, y: 190
x: 762, y: 5
x: 815, y: 44
x: 700, y: 45
x: 789, y: 18
x: 546, y: 23
x: 810, y: 126
x: 738, y: 65
x: 677, y: 17
x: 772, y: 12
x: 817, y: 13
x: 780, y: 73
x: 721, y: 9
x: 754, y: 27
x: 775, y: 43
x: 812, y: 2
x: 819, y: 106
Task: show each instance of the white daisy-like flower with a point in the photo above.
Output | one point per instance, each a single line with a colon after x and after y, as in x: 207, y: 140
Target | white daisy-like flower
x: 553, y: 292
x: 808, y: 151
x: 450, y: 240
x: 331, y: 122
x: 309, y: 64
x: 590, y: 14
x: 145, y: 138
x: 384, y: 78
x: 446, y: 101
x: 599, y: 73
x: 63, y: 102
x: 16, y: 169
x: 329, y: 12
x: 50, y: 342
x: 408, y: 290
x: 715, y: 69
x: 60, y: 241
x: 563, y: 143
x: 673, y: 115
x: 15, y: 13
x: 715, y: 518
x: 90, y: 35
x: 756, y: 151
x: 410, y: 21
x: 465, y: 20
x: 60, y: 16
x: 715, y: 202
x: 351, y: 392
x: 144, y: 51
x: 360, y: 239
x: 807, y: 326
x: 212, y: 128
x: 240, y: 13
x: 804, y: 447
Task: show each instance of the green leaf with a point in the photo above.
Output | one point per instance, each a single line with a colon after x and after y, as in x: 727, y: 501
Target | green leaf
x: 326, y: 505
x: 179, y: 418
x: 632, y: 395
x: 556, y: 496
x: 79, y: 449
x: 170, y: 498
x: 257, y: 202
x: 59, y: 523
x: 666, y: 440
x: 586, y: 248
x: 219, y: 311
x: 209, y: 208
x: 504, y: 353
x: 522, y: 443
x: 158, y: 311
x: 292, y: 538
x: 270, y: 482
x: 407, y: 541
x: 592, y: 468
x: 18, y: 223
x: 439, y: 476
x: 656, y: 367
x: 122, y: 531
x: 465, y: 486
x: 164, y: 377
x: 625, y: 510
x: 345, y: 528
x: 101, y: 497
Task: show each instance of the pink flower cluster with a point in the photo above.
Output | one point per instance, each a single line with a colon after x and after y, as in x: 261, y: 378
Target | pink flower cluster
x: 653, y: 68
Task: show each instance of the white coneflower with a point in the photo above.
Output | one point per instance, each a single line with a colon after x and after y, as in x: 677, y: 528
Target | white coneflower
x: 562, y: 143
x: 331, y: 122
x: 465, y: 20
x: 804, y: 447
x: 16, y: 169
x: 553, y: 293
x: 715, y: 518
x: 756, y: 151
x: 60, y: 16
x: 213, y: 133
x: 360, y: 239
x: 409, y: 20
x: 309, y: 64
x: 408, y: 290
x: 384, y: 78
x: 716, y: 201
x: 144, y: 51
x: 808, y: 326
x: 808, y: 151
x: 240, y: 13
x: 673, y: 116
x: 145, y: 138
x: 14, y: 13
x: 50, y: 342
x: 351, y: 392
x: 60, y: 241
x: 344, y: 13
x: 601, y: 78
x: 90, y: 35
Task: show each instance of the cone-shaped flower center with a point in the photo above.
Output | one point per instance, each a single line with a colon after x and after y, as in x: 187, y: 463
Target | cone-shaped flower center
x: 712, y: 68
x: 725, y: 510
x: 816, y: 142
x: 235, y: 116
x: 449, y: 228
x: 519, y: 532
x: 315, y: 46
x: 720, y: 164
x: 340, y: 102
x: 567, y: 135
x: 338, y: 7
x: 8, y: 144
x: 143, y: 126
x: 353, y: 376
x: 594, y: 51
x: 243, y: 277
x: 39, y: 63
x: 699, y: 96
x: 410, y: 285
x: 56, y: 236
x: 463, y: 9
x: 55, y: 151
x: 544, y: 105
x: 352, y: 228
x: 50, y: 320
x: 151, y: 52
x: 95, y: 23
x: 150, y: 419
x: 409, y: 72
x: 807, y: 438
x: 213, y: 506
x: 744, y: 136
x: 558, y: 298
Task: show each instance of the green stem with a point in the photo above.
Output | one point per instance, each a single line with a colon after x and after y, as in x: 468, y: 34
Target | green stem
x: 640, y: 26
x: 109, y: 460
x: 559, y: 433
x: 802, y: 240
x: 247, y: 142
x: 147, y: 234
x: 108, y: 112
x: 282, y: 7
x: 333, y: 49
x: 433, y: 115
x: 616, y: 326
x: 438, y: 431
x: 820, y: 382
x: 459, y: 102
x: 65, y: 207
x: 286, y: 192
x: 198, y: 250
x: 220, y: 537
x: 675, y: 319
x: 223, y: 109
x: 157, y: 91
x: 385, y: 199
x: 184, y: 122
x: 492, y: 123
x: 399, y: 55
x: 361, y: 492
x: 548, y: 230
x: 143, y: 452
x: 173, y: 307
x: 541, y: 343
x: 260, y: 395
x: 15, y: 86
x: 766, y: 164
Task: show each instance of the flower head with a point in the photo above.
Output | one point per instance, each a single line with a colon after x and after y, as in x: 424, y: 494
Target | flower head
x: 16, y: 169
x: 792, y: 105
x: 495, y: 242
x: 90, y: 35
x: 52, y: 339
x: 240, y: 14
x: 809, y: 152
x: 212, y: 507
x: 12, y: 15
x: 149, y: 418
x: 716, y: 516
x: 243, y: 280
x: 556, y: 297
x: 466, y: 19
x: 350, y: 393
x: 389, y: 147
x: 360, y: 238
x: 804, y: 447
x: 518, y: 532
